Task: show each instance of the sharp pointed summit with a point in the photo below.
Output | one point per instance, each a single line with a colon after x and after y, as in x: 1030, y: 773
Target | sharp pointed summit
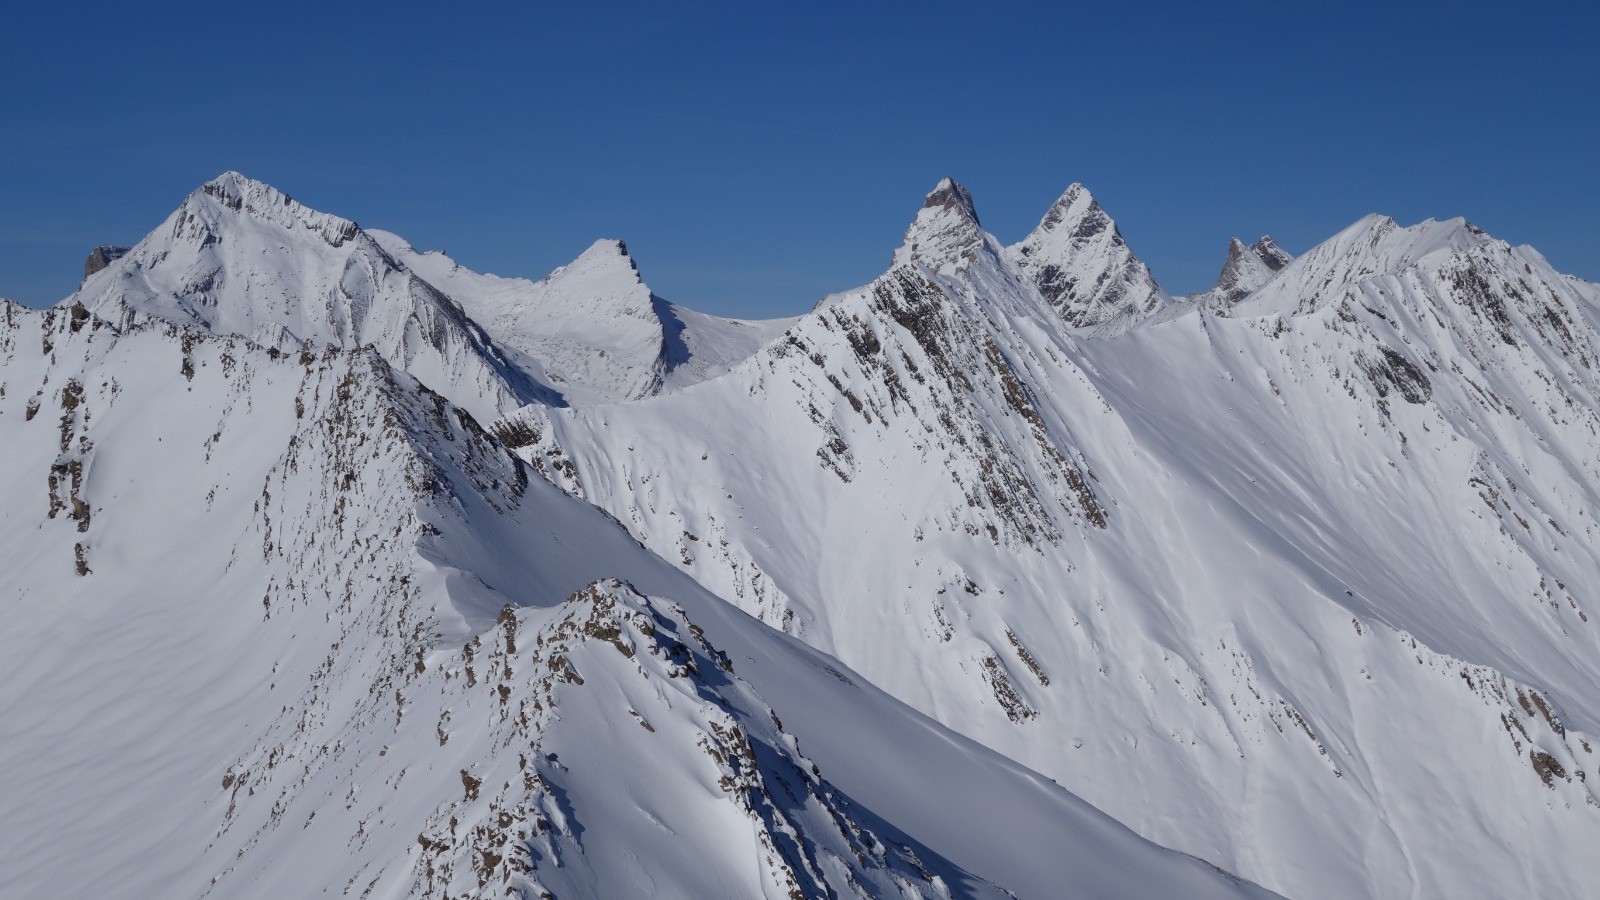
x: 945, y: 235
x: 1081, y: 264
x: 1247, y: 268
x: 950, y: 195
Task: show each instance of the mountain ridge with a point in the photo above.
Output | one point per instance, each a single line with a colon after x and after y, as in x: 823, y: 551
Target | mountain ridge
x: 1291, y: 575
x: 446, y: 652
x: 941, y: 446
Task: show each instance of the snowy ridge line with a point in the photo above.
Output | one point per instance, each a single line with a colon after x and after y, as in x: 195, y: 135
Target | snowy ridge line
x: 1143, y: 553
x: 1264, y: 572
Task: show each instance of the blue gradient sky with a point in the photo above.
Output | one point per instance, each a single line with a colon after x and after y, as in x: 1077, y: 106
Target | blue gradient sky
x: 759, y: 156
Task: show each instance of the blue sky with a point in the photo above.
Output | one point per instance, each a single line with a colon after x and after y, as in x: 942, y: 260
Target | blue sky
x: 756, y: 157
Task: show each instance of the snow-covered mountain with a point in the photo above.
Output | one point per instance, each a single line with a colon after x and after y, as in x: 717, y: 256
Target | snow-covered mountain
x: 1080, y: 263
x: 1290, y: 575
x: 592, y: 329
x: 1297, y: 585
x: 289, y: 624
x: 239, y: 257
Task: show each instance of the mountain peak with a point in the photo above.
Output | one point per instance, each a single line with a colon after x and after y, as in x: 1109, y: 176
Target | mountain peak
x: 1271, y: 254
x: 241, y: 193
x: 945, y: 234
x: 1080, y: 263
x: 204, y: 210
x: 240, y: 257
x: 235, y: 184
x: 1248, y: 267
x: 1078, y: 210
x: 1373, y: 245
x: 606, y: 253
x: 949, y: 195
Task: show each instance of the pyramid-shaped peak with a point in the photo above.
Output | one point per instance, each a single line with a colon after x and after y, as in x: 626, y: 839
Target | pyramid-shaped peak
x: 1082, y: 266
x: 237, y: 191
x: 945, y: 235
x: 206, y: 209
x: 611, y: 248
x: 950, y: 195
x: 608, y: 257
x: 1078, y: 213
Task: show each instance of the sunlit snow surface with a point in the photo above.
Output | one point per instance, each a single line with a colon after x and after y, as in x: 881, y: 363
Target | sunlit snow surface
x: 1300, y: 585
x: 1293, y: 575
x: 329, y: 635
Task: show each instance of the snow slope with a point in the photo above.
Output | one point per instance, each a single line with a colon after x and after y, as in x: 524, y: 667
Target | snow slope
x: 1298, y: 585
x: 593, y: 329
x: 281, y: 622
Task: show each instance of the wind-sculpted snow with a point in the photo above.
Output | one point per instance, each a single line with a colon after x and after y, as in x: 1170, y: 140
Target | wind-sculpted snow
x: 1296, y: 583
x: 283, y: 624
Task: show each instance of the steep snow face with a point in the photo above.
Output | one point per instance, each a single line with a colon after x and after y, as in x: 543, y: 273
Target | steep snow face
x: 1246, y: 270
x: 1080, y: 263
x: 239, y: 257
x: 592, y: 329
x: 1284, y: 585
x: 268, y: 607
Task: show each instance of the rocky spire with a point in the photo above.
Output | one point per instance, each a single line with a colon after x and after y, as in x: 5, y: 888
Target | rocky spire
x: 945, y: 235
x: 1247, y: 268
x: 100, y: 257
x: 1080, y: 263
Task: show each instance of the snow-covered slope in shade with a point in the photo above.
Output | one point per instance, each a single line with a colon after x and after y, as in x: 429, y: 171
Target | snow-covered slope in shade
x: 593, y: 329
x: 1080, y: 263
x: 1299, y: 589
x: 239, y: 257
x: 1247, y: 268
x: 290, y: 624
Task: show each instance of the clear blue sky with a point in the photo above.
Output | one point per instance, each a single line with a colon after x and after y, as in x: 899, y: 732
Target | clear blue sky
x: 758, y: 156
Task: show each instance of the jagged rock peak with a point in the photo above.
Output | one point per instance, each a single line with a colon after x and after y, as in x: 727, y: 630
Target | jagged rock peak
x: 950, y: 195
x: 102, y: 256
x: 1270, y: 253
x: 1082, y: 266
x: 945, y: 235
x: 1248, y: 267
x: 1082, y: 215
